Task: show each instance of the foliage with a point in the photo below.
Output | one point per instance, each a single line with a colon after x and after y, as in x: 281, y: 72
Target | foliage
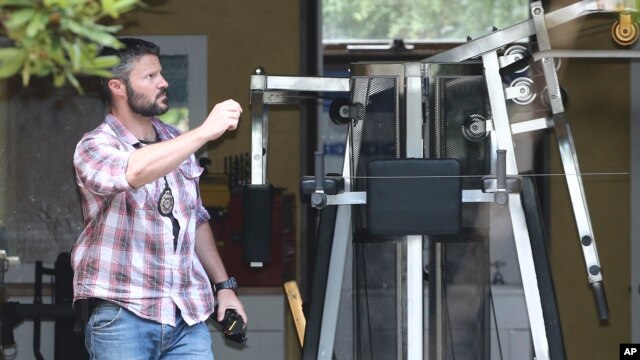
x: 426, y: 20
x: 178, y: 117
x: 59, y: 38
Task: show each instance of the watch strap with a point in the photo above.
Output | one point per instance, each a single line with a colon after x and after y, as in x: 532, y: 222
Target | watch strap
x: 230, y: 283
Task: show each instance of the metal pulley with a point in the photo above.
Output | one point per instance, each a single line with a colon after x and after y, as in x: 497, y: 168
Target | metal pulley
x: 544, y: 97
x: 625, y: 31
x: 342, y: 111
x: 474, y: 128
x: 515, y: 53
x: 521, y: 91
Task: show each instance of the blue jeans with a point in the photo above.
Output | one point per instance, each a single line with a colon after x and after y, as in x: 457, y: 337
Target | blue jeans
x: 115, y: 333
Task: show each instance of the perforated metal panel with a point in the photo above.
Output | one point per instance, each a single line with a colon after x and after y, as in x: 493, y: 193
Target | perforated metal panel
x: 379, y: 266
x: 459, y: 265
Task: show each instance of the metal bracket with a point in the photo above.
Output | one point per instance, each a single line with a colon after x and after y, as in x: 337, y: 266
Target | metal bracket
x: 501, y: 184
x: 280, y: 97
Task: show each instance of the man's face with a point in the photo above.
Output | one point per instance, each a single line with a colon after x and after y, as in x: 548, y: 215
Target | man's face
x: 146, y: 88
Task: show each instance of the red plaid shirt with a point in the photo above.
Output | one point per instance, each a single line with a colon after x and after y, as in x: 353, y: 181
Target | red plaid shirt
x: 126, y: 253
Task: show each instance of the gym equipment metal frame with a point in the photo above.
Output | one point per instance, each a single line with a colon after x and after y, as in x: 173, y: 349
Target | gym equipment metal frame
x: 269, y: 90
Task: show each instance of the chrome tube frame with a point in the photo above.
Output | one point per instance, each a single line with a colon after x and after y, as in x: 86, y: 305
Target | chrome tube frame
x: 518, y: 220
x: 343, y: 235
x: 415, y: 282
x: 568, y: 154
x: 527, y: 28
x: 266, y: 90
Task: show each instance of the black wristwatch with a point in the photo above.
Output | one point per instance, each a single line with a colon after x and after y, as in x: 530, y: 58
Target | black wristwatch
x: 230, y: 283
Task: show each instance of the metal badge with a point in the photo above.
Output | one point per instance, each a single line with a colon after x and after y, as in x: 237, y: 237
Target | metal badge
x: 165, y: 203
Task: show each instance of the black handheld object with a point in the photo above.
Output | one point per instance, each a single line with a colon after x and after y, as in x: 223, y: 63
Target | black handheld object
x: 233, y: 326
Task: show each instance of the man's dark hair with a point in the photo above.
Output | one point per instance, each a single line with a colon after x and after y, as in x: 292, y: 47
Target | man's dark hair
x: 133, y: 49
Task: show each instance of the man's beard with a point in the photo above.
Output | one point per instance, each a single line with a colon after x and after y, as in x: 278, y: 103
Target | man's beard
x: 142, y: 106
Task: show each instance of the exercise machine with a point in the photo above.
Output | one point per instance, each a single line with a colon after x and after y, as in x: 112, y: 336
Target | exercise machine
x: 431, y: 169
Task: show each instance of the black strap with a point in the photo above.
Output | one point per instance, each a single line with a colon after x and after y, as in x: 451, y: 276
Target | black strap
x: 174, y: 222
x: 176, y: 231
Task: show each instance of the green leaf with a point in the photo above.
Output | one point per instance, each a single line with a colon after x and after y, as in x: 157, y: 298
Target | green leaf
x: 76, y: 2
x: 19, y: 18
x: 122, y: 6
x: 98, y: 72
x: 57, y: 54
x: 9, y: 53
x: 105, y: 61
x: 71, y: 25
x: 107, y: 6
x: 101, y: 37
x: 74, y: 55
x: 73, y: 81
x: 17, y: 3
x: 60, y: 38
x: 38, y: 22
x: 41, y: 68
x: 108, y: 28
x: 58, y: 78
x: 26, y: 73
x: 11, y: 60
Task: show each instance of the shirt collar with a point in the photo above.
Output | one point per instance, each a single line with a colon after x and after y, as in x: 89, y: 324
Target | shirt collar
x: 127, y: 136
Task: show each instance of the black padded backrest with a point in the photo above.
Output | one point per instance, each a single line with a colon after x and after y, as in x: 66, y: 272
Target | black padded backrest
x: 414, y: 197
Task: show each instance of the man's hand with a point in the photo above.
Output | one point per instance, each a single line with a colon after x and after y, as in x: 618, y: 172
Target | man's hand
x: 227, y: 299
x: 222, y: 118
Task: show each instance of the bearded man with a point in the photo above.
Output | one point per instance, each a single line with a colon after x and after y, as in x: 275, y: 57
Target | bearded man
x: 146, y: 261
